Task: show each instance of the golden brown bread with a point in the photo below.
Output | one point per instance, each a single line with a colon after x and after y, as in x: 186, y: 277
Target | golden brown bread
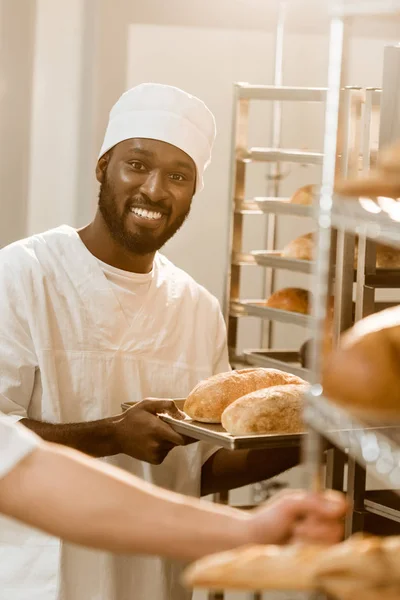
x: 384, y: 180
x: 359, y: 565
x: 303, y: 247
x: 363, y: 373
x: 257, y: 567
x: 276, y: 409
x: 303, y: 195
x: 291, y: 299
x: 210, y: 398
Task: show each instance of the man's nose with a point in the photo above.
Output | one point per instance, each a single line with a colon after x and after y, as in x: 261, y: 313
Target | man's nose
x: 154, y: 187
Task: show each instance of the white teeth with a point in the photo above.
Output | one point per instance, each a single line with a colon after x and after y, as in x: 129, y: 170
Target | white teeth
x: 146, y: 214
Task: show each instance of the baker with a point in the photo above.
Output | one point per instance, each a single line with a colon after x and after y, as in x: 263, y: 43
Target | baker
x: 94, y: 318
x: 78, y: 498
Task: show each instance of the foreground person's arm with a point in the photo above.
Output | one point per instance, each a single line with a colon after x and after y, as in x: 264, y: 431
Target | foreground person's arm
x: 76, y: 498
x: 227, y: 469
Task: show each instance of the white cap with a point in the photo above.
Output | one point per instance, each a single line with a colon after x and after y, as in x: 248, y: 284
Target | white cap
x: 165, y: 113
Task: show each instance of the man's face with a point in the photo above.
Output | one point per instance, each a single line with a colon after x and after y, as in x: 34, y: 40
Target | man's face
x: 146, y: 192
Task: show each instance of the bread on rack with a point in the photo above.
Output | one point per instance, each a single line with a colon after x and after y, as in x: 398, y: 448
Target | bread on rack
x: 384, y: 180
x: 270, y: 410
x: 360, y: 567
x: 290, y: 299
x: 210, y: 398
x: 304, y: 195
x: 303, y: 248
x: 363, y: 374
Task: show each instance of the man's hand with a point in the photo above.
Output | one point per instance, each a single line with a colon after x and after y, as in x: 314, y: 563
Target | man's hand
x: 141, y: 434
x: 299, y: 516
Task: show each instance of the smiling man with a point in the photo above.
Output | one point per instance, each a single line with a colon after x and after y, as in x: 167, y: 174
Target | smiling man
x: 94, y: 318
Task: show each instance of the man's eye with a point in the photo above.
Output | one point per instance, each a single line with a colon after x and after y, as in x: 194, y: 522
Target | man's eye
x: 177, y: 177
x: 138, y: 166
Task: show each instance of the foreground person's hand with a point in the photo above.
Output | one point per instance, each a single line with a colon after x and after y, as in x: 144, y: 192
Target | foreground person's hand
x: 300, y: 516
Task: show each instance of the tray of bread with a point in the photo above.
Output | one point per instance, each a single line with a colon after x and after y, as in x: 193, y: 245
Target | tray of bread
x: 247, y: 408
x: 301, y: 204
x: 287, y: 305
x: 364, y: 567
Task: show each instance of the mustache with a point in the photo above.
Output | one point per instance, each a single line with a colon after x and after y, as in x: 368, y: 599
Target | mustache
x: 145, y: 203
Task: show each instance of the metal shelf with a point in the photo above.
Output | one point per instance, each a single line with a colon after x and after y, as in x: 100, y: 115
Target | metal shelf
x: 276, y: 261
x: 342, y: 8
x: 383, y: 503
x: 378, y: 221
x: 279, y: 155
x: 257, y: 308
x: 377, y: 448
x: 283, y: 206
x: 281, y: 93
x: 285, y: 360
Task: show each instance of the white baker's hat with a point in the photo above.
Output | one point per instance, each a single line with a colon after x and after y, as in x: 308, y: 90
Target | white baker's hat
x: 165, y: 113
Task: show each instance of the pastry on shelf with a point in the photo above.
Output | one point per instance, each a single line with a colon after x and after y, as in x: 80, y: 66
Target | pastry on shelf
x: 304, y: 195
x: 363, y: 374
x: 211, y: 397
x: 384, y: 180
x: 274, y: 410
x: 290, y: 299
x: 303, y: 248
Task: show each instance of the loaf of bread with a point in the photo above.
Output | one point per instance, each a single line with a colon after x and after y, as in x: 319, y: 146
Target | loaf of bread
x: 304, y: 195
x: 301, y: 248
x: 384, y: 180
x: 363, y: 374
x: 290, y: 299
x: 210, y: 398
x: 257, y: 567
x: 271, y: 410
x: 359, y: 567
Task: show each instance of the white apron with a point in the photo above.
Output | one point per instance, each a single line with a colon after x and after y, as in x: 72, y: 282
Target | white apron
x: 68, y: 354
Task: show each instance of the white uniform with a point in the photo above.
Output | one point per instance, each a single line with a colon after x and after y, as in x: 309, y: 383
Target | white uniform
x: 16, y: 443
x: 70, y: 352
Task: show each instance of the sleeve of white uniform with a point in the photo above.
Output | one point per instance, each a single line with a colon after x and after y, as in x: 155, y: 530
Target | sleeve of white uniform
x: 16, y: 442
x: 18, y: 361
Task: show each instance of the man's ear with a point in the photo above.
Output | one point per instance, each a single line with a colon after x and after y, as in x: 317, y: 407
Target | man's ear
x: 101, y: 167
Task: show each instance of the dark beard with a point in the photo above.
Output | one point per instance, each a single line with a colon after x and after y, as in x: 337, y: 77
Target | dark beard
x: 143, y: 242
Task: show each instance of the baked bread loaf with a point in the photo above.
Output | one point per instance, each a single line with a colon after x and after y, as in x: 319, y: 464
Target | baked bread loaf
x: 301, y: 248
x: 361, y: 565
x: 257, y: 567
x: 210, y: 398
x: 303, y: 195
x: 382, y: 181
x: 276, y: 409
x: 291, y: 299
x: 363, y: 373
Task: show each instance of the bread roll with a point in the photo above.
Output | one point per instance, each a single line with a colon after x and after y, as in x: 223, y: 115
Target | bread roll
x: 304, y: 195
x: 291, y: 299
x: 257, y: 567
x: 301, y: 248
x: 363, y: 374
x: 276, y: 409
x: 209, y: 399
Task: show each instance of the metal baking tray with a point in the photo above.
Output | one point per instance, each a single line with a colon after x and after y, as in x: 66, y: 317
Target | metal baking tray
x: 283, y: 206
x: 216, y: 434
x: 257, y: 308
x: 277, y: 261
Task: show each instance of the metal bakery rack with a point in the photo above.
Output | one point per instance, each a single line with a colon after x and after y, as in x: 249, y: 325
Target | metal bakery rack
x: 364, y: 446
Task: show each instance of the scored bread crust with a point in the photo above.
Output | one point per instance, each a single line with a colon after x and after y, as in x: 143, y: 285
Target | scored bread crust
x: 210, y: 398
x: 363, y: 373
x: 257, y: 567
x: 272, y: 410
x: 290, y: 299
x: 301, y: 248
